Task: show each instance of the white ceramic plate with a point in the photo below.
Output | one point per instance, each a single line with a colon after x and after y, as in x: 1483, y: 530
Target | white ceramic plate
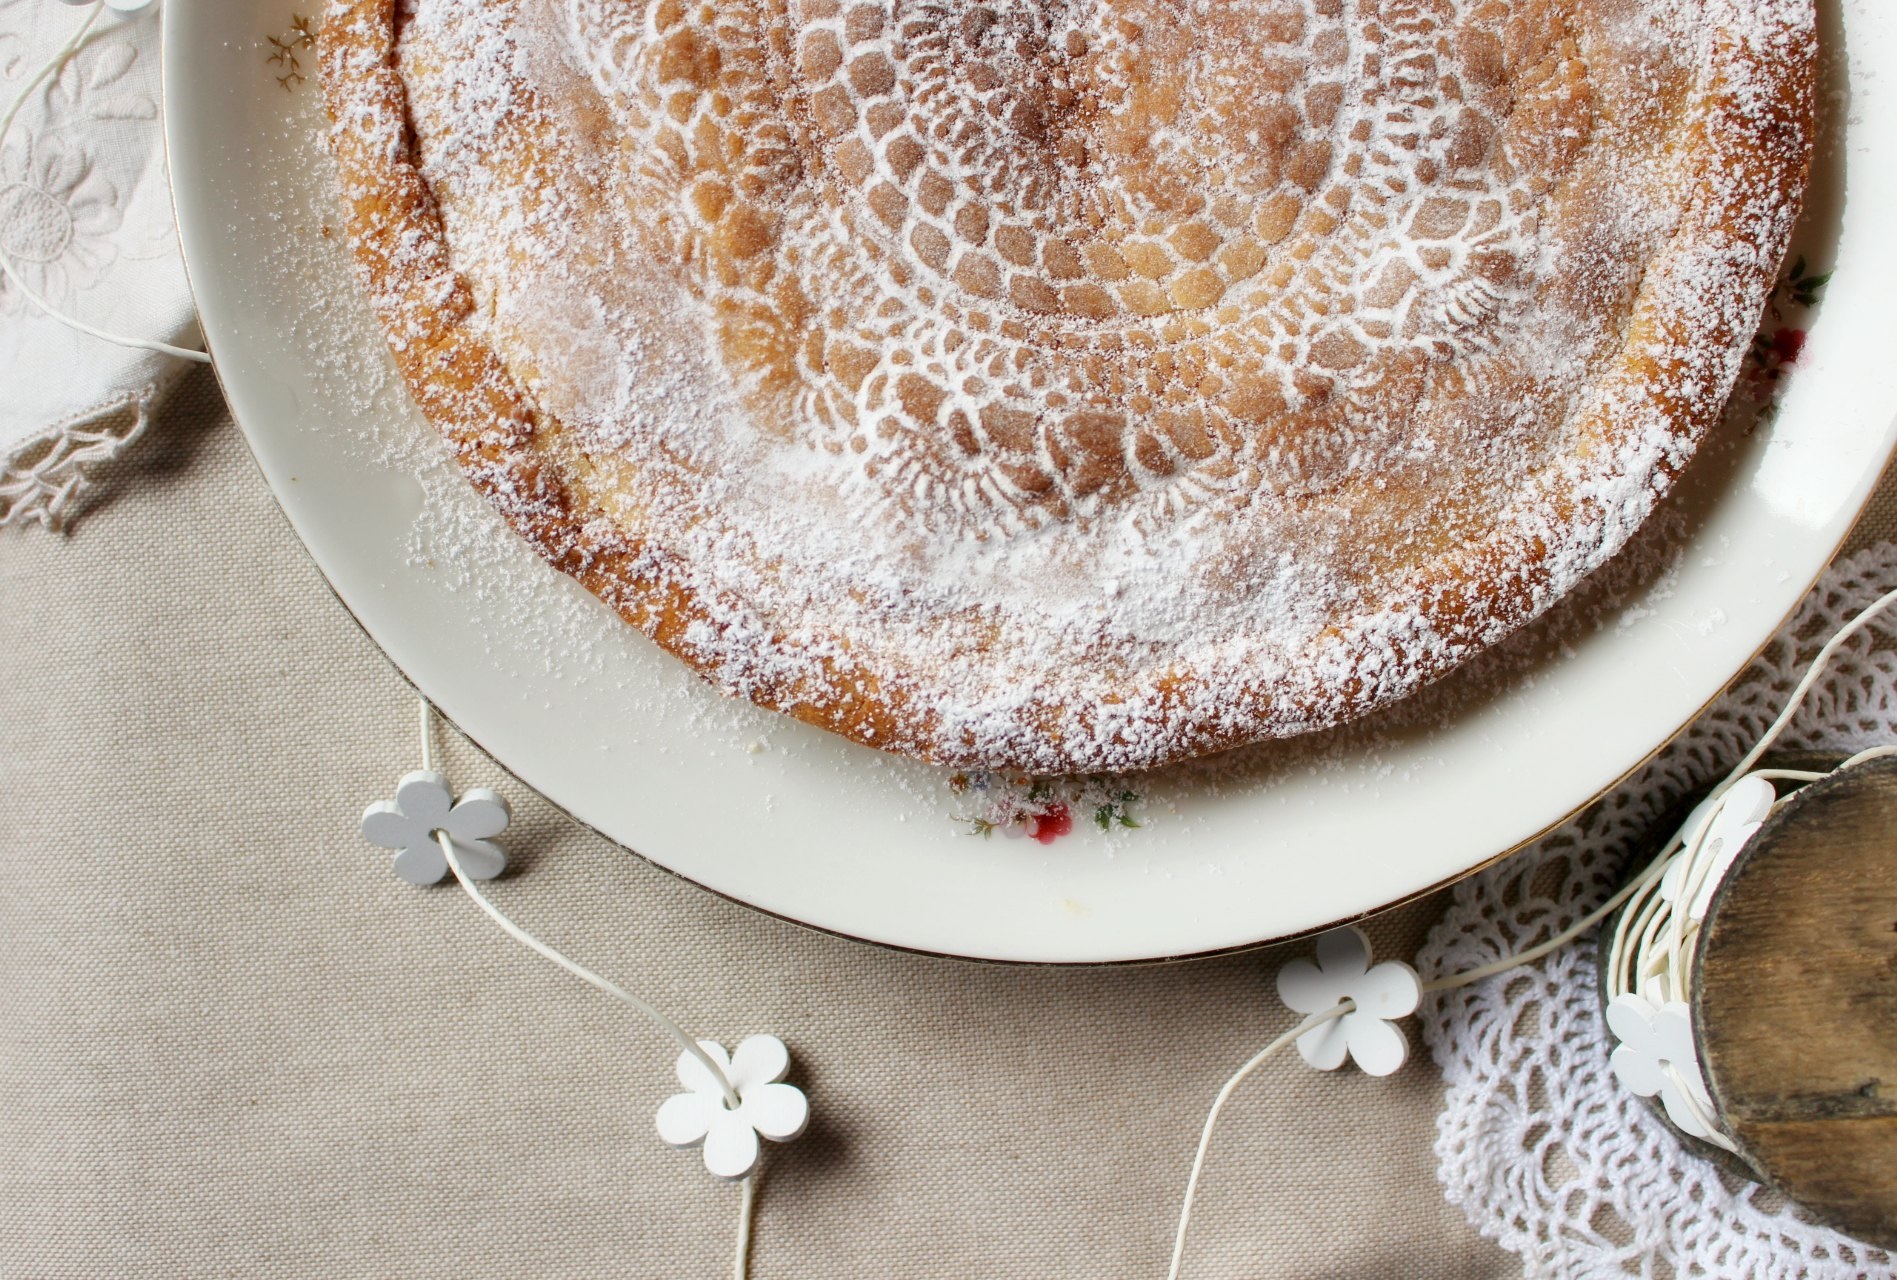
x: 1274, y: 842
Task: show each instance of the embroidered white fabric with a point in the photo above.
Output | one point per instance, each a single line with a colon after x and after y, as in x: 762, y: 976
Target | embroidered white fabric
x: 85, y: 219
x: 1537, y: 1144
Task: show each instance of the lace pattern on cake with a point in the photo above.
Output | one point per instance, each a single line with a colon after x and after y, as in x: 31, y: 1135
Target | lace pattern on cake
x: 1537, y: 1143
x: 937, y: 372
x: 1064, y: 258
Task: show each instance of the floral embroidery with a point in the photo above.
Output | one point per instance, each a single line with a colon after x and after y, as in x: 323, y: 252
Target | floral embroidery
x: 57, y: 217
x: 93, y: 85
x: 61, y: 216
x: 87, y: 223
x: 12, y: 55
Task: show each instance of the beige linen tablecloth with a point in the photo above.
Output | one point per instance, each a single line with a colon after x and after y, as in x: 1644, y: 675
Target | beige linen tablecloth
x: 231, y: 1043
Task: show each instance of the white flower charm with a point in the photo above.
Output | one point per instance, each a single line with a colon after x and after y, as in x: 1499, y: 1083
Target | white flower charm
x: 1734, y: 819
x: 1343, y: 972
x: 765, y: 1105
x: 421, y: 808
x: 1657, y: 1055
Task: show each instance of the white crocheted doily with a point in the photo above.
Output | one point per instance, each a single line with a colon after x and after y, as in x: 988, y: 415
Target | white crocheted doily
x: 1537, y: 1143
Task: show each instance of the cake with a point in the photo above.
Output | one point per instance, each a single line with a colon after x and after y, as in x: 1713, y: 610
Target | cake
x: 1071, y: 385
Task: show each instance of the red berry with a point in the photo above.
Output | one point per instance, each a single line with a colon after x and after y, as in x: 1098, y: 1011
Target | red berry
x: 1051, y: 824
x: 1787, y: 343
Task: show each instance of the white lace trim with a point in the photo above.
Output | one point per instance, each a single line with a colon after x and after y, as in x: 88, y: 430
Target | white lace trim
x: 45, y: 479
x: 90, y: 230
x: 1537, y: 1144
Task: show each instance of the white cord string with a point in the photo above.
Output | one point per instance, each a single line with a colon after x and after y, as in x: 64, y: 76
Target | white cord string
x: 1831, y: 646
x: 1449, y: 983
x: 747, y: 1189
x: 584, y: 974
x: 1651, y: 955
x: 747, y: 1206
x: 1655, y: 945
x: 579, y: 971
x: 50, y: 67
x: 1652, y: 927
x: 1641, y: 890
x: 1218, y: 1105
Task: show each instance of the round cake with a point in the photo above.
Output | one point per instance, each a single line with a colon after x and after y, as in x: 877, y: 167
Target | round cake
x: 1071, y: 385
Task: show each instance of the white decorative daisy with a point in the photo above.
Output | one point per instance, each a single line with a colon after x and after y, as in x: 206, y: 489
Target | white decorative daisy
x: 1730, y: 821
x: 423, y: 805
x: 57, y: 217
x: 765, y: 1107
x: 1657, y: 1055
x: 1368, y: 1034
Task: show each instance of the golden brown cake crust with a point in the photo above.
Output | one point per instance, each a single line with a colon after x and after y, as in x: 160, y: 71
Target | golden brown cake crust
x: 1071, y: 386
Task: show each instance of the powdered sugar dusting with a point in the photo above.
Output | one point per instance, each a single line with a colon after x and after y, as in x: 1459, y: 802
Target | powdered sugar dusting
x: 1081, y: 384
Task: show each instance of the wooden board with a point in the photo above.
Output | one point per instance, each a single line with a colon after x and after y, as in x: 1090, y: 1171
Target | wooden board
x: 1796, y: 1004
